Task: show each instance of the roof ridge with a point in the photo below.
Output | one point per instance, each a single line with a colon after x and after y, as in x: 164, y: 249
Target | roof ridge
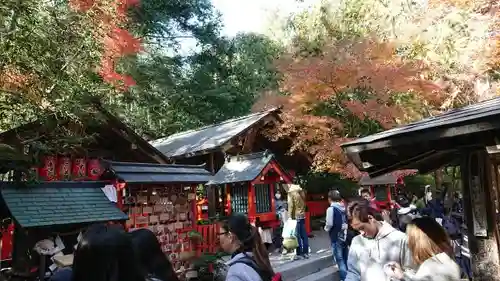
x: 215, y: 124
x: 118, y: 163
x: 248, y: 156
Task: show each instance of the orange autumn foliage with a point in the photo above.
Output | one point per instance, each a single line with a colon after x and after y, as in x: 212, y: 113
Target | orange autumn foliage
x: 15, y: 81
x: 343, y: 67
x: 109, y: 18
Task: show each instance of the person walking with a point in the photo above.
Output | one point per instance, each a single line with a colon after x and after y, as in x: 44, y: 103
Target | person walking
x: 432, y: 252
x: 336, y: 226
x: 297, y: 211
x: 281, y: 210
x: 378, y: 244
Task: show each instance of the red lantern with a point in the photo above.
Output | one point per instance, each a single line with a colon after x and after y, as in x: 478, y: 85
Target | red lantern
x: 94, y: 169
x: 64, y: 168
x: 79, y: 169
x: 48, y: 170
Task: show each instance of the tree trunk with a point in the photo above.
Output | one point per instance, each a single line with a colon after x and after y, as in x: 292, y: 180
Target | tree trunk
x: 438, y: 178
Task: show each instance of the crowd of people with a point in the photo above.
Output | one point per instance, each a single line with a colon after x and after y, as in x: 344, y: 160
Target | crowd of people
x: 109, y: 253
x: 411, y: 242
x: 410, y: 239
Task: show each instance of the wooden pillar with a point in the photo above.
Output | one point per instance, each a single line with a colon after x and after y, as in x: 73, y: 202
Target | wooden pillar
x: 480, y: 216
x: 211, y: 194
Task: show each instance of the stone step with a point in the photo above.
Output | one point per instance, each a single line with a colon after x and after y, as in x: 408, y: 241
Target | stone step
x: 295, y: 270
x: 327, y: 274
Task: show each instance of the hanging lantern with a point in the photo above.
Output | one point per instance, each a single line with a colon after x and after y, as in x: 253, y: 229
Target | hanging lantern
x: 79, y: 169
x: 94, y: 169
x: 48, y: 170
x: 64, y: 168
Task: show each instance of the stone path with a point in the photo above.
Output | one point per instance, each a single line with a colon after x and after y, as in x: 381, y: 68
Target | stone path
x: 320, y: 247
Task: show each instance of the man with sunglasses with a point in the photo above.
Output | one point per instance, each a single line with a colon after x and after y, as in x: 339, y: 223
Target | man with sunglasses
x: 379, y: 243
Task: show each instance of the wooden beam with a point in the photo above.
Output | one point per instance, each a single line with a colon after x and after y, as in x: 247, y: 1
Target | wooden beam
x: 249, y: 140
x: 480, y: 216
x: 211, y: 193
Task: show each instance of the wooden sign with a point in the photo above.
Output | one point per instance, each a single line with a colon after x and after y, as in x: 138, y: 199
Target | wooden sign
x: 142, y: 199
x: 477, y: 194
x: 147, y: 210
x: 159, y: 208
x: 154, y: 199
x: 164, y: 217
x: 141, y: 220
x: 154, y: 219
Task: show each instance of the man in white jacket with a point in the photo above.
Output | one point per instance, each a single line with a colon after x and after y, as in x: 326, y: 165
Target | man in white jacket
x: 378, y: 243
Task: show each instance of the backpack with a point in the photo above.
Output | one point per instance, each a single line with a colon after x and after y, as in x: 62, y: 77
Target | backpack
x: 339, y: 228
x: 251, y: 263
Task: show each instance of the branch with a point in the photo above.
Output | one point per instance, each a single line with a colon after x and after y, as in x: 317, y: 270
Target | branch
x: 51, y: 88
x: 9, y: 92
x: 168, y: 37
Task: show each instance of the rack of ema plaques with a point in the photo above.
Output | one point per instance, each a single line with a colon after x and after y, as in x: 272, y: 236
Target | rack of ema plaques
x: 167, y: 212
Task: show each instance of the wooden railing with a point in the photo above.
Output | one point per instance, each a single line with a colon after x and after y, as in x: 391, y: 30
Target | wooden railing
x: 317, y: 208
x: 210, y: 242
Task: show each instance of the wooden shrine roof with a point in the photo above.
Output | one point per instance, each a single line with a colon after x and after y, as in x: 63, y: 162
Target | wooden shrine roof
x: 242, y: 168
x: 427, y: 144
x: 146, y: 173
x: 59, y: 203
x: 210, y: 138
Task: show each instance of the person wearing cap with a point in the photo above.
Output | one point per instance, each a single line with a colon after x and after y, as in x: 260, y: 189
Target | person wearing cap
x: 336, y: 226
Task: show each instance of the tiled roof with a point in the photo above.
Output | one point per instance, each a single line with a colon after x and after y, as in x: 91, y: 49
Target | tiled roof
x: 59, y: 203
x: 242, y: 168
x: 157, y: 173
x: 210, y: 137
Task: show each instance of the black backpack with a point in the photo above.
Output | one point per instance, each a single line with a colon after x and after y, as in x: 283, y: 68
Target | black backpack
x: 263, y: 275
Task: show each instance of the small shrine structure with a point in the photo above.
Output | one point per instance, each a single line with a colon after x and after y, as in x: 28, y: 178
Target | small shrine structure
x: 249, y: 183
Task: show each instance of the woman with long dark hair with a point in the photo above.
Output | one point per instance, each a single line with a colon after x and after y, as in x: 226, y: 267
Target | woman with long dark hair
x: 153, y: 262
x: 249, y: 257
x: 105, y: 253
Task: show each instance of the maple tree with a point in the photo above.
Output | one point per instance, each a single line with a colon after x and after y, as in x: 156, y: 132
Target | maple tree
x: 454, y: 36
x: 109, y: 18
x: 353, y: 89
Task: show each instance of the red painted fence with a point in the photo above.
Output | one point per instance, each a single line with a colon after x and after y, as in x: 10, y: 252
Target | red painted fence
x: 317, y: 208
x: 210, y: 242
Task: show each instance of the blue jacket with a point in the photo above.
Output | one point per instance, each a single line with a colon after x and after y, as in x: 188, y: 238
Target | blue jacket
x: 336, y: 222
